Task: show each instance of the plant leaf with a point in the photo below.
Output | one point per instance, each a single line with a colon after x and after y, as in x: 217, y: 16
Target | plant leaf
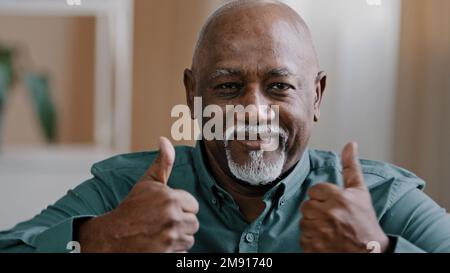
x: 6, y: 73
x: 38, y: 85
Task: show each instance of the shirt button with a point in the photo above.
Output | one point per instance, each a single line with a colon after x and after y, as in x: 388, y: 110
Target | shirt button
x: 214, y: 201
x: 282, y: 202
x: 249, y: 237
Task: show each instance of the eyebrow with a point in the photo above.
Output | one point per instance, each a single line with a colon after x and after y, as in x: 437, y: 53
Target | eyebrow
x: 228, y: 72
x: 280, y: 72
x: 224, y: 72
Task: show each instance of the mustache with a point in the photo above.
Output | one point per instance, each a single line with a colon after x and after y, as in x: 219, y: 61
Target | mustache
x: 255, y: 132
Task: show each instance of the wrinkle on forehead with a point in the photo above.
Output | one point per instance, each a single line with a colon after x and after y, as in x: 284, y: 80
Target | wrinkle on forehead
x: 248, y: 26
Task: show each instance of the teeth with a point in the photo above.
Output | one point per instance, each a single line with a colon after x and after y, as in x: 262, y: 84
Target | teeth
x: 265, y: 133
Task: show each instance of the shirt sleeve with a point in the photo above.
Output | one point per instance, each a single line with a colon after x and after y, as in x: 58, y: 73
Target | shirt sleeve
x: 417, y: 224
x: 52, y: 229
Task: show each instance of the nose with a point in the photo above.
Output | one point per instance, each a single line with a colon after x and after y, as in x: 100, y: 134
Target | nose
x: 257, y: 106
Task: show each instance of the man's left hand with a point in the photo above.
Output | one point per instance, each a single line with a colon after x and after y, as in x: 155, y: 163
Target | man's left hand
x: 341, y: 220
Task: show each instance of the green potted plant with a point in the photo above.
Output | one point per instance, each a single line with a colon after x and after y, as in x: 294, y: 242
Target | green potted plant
x: 37, y: 85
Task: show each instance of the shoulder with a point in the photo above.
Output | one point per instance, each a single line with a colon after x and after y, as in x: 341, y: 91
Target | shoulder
x: 376, y: 171
x: 131, y: 166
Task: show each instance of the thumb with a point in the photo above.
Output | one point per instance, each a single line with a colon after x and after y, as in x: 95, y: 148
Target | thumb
x: 353, y: 177
x: 162, y: 166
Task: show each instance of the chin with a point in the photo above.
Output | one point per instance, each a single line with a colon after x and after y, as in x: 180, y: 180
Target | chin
x: 255, y: 167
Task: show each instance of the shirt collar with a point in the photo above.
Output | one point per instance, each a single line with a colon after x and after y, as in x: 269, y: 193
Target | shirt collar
x: 294, y: 180
x: 284, y: 189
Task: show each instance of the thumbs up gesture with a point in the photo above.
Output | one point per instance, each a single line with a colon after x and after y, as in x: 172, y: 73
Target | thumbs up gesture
x: 152, y: 218
x: 341, y: 220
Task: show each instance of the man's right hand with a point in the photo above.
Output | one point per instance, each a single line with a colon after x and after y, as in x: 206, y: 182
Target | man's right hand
x: 152, y: 218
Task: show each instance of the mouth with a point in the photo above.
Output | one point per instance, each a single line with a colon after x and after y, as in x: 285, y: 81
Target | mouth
x: 252, y: 144
x: 256, y: 138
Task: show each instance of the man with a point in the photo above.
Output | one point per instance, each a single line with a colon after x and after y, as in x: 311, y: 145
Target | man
x: 230, y: 195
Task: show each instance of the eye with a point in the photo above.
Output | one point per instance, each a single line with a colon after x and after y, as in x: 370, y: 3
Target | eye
x: 229, y: 86
x: 280, y: 86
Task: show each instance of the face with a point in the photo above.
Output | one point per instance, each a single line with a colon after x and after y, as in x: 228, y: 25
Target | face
x: 266, y: 63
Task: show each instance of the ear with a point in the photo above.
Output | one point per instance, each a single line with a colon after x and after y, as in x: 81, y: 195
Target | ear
x: 189, y: 86
x: 320, y: 84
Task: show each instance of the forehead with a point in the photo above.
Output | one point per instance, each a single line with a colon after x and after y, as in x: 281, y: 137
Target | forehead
x: 256, y: 44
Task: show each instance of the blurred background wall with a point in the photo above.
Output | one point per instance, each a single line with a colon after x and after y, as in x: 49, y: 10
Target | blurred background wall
x: 165, y: 36
x: 388, y: 88
x: 422, y: 116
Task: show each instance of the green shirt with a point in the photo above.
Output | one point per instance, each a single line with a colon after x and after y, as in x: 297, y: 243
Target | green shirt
x: 414, y: 222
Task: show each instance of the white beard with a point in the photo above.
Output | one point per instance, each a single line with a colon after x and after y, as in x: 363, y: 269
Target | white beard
x: 256, y: 171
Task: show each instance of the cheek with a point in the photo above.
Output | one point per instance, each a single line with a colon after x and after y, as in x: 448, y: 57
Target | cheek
x: 298, y: 117
x: 299, y: 103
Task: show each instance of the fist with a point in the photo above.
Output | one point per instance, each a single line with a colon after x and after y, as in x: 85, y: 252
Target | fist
x: 341, y: 220
x: 152, y: 218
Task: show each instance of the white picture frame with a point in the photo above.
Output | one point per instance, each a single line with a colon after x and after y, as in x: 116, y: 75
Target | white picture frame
x: 113, y: 61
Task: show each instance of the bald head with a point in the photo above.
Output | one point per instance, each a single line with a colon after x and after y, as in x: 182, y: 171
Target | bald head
x: 257, y: 21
